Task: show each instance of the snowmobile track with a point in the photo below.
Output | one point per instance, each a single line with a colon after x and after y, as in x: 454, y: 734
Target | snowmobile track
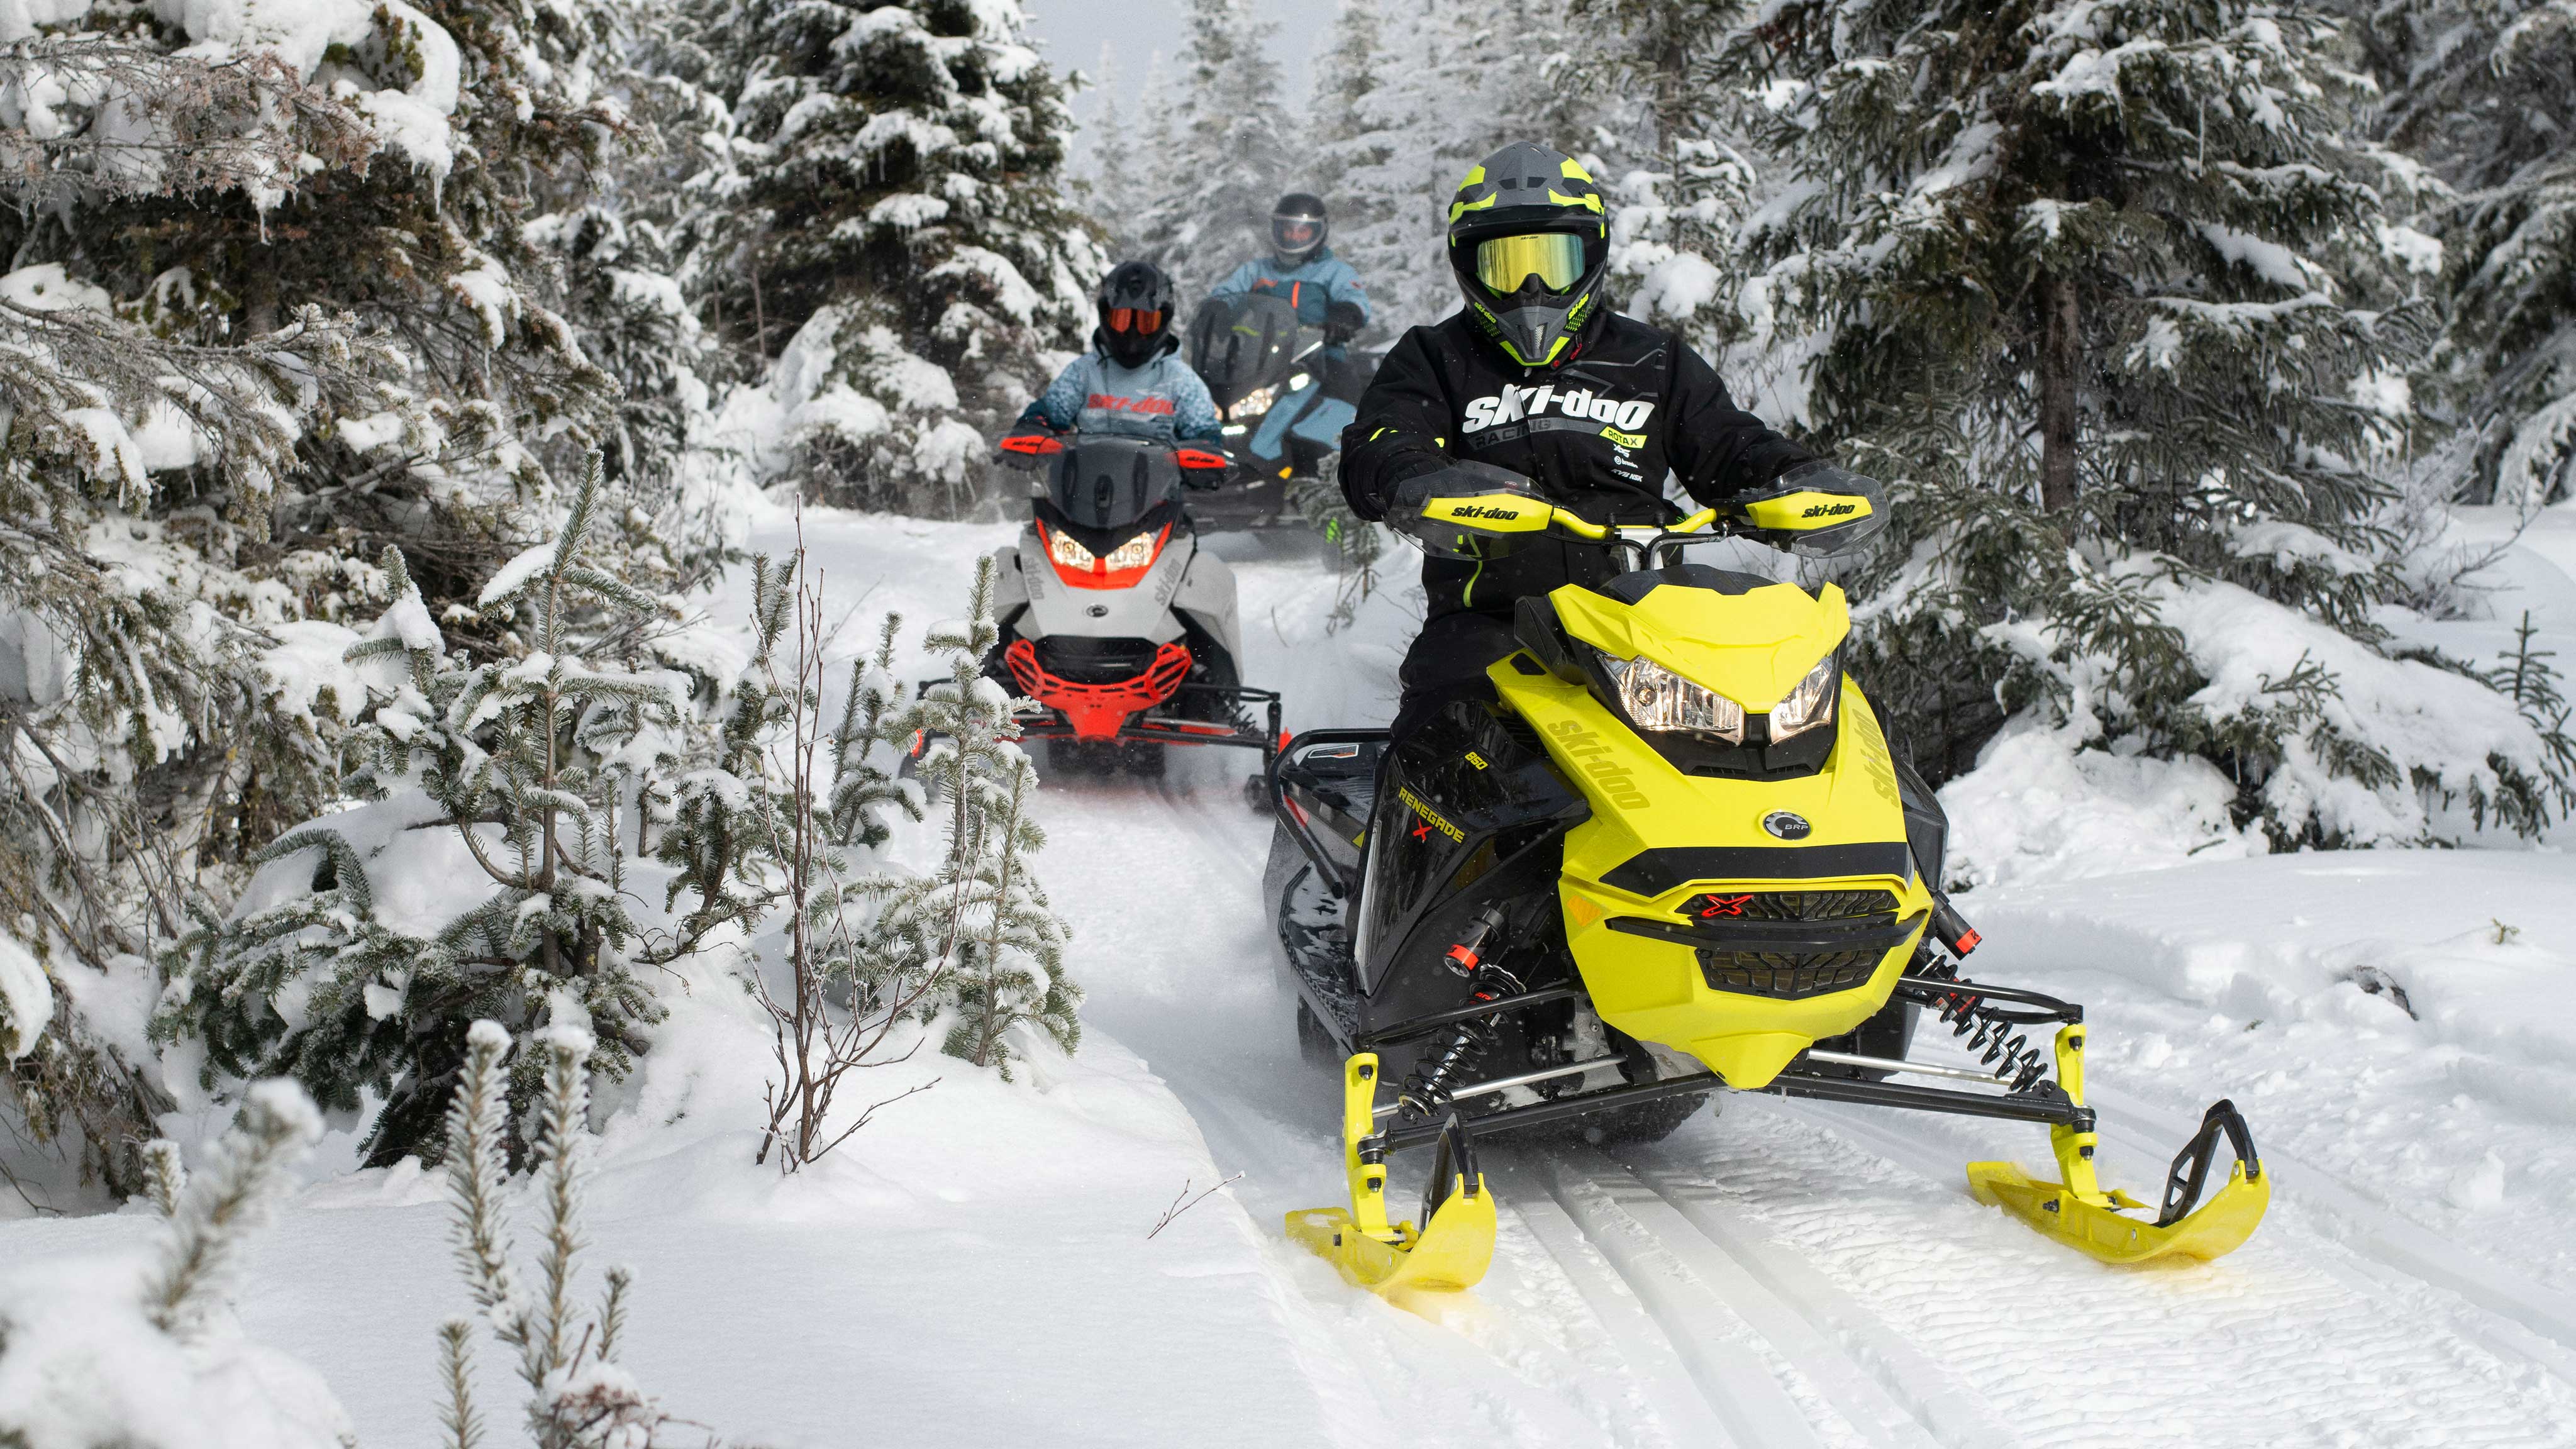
x: 1653, y: 1361
x: 1693, y: 1293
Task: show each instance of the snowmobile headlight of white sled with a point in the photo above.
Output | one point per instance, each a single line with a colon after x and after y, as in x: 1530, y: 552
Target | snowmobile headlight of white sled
x: 1810, y: 704
x: 1256, y: 402
x: 1655, y: 698
x: 1065, y: 549
x: 1135, y: 553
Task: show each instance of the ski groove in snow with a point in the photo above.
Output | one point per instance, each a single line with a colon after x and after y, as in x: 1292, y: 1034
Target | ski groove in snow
x: 1683, y: 1413
x: 1698, y: 1295
x: 1909, y: 1380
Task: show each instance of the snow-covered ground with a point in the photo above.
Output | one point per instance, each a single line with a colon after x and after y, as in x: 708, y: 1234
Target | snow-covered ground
x: 975, y: 1267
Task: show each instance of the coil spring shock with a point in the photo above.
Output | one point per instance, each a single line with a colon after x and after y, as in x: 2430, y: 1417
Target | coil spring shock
x: 2007, y: 1051
x: 1426, y: 1089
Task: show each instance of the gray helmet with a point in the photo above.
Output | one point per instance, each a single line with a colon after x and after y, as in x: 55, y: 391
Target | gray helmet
x: 1529, y: 240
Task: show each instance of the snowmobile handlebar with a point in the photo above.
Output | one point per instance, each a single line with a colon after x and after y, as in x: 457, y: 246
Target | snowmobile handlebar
x: 1814, y: 510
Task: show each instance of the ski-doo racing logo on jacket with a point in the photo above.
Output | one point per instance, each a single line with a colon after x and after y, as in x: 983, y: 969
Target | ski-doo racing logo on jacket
x: 1111, y: 402
x: 1519, y: 404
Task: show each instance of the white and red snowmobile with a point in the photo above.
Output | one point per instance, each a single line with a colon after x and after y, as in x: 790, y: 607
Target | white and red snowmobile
x: 1112, y: 615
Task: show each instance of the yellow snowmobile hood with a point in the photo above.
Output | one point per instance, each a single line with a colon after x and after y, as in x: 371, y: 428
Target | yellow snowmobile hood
x: 1752, y: 647
x: 1662, y: 843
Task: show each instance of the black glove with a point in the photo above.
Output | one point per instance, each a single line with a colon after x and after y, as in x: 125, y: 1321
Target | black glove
x: 1410, y: 494
x: 1343, y: 321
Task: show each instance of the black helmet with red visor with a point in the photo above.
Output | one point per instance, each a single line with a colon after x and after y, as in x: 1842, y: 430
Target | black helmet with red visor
x: 1135, y: 314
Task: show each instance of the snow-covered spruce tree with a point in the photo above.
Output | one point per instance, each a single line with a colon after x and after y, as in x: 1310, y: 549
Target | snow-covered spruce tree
x: 1667, y: 126
x: 485, y: 878
x: 972, y: 942
x: 2479, y: 90
x: 1337, y: 137
x: 1448, y: 83
x: 1229, y: 158
x: 2102, y: 287
x: 1115, y: 177
x: 154, y: 713
x: 732, y: 824
x: 886, y: 218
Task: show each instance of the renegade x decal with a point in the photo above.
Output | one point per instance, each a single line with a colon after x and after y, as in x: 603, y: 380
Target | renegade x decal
x: 1430, y: 820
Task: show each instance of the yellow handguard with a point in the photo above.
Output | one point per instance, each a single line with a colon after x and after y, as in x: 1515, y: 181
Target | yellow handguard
x: 1505, y: 513
x: 1399, y: 1260
x: 1521, y: 513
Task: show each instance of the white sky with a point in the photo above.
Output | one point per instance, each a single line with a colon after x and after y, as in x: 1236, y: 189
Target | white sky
x: 1074, y: 31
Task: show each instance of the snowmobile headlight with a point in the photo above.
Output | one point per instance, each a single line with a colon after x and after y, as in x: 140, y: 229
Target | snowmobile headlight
x: 1255, y: 402
x: 1067, y: 550
x: 1655, y: 698
x: 1135, y: 553
x: 1810, y: 704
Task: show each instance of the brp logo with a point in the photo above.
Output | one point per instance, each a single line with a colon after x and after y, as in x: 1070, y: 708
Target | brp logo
x: 1787, y: 825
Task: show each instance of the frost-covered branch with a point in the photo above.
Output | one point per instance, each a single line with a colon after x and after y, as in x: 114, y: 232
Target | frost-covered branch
x: 578, y: 1396
x: 102, y: 117
x: 229, y: 1201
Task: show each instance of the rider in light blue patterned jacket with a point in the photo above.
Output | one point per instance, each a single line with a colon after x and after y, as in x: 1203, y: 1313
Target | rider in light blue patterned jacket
x: 1132, y: 381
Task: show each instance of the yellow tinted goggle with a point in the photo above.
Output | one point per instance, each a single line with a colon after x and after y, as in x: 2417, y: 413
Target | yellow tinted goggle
x: 1504, y: 263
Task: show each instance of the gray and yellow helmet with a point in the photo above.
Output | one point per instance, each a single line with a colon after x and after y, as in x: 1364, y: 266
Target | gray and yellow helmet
x: 1529, y: 237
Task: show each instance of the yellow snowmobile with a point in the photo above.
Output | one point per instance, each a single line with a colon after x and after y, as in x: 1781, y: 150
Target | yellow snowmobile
x: 1680, y: 857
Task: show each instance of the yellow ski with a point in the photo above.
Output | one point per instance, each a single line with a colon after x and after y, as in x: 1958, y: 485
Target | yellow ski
x: 1444, y: 1255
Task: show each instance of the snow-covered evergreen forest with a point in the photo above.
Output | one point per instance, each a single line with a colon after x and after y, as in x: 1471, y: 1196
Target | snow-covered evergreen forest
x: 484, y: 483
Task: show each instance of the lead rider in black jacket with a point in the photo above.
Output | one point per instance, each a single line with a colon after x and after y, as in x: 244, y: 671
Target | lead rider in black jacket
x: 1536, y: 375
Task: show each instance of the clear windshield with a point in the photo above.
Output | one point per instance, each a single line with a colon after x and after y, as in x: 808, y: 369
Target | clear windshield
x: 1111, y: 482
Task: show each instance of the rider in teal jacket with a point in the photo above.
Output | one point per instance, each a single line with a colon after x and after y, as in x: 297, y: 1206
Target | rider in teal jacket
x: 1327, y: 295
x: 1321, y: 286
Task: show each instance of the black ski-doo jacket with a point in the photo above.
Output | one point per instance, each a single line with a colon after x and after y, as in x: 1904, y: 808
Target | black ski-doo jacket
x: 1596, y: 434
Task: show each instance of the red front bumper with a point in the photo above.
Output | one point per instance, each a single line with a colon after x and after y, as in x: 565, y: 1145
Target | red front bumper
x: 1096, y: 711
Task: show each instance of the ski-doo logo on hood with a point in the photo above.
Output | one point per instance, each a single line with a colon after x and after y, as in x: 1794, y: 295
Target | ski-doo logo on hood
x: 1515, y: 404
